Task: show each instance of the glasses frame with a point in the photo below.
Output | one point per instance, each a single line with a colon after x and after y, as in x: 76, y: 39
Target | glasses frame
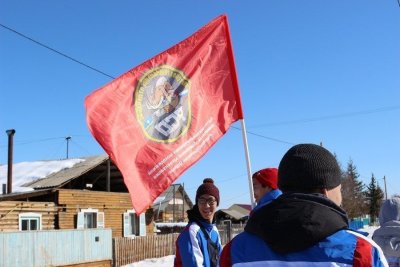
x: 210, y: 201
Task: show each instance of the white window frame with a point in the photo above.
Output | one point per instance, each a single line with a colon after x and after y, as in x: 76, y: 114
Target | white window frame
x: 81, y: 219
x: 30, y: 216
x: 128, y: 223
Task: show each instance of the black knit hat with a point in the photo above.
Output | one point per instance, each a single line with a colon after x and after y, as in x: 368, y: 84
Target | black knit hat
x: 306, y: 167
x: 208, y: 188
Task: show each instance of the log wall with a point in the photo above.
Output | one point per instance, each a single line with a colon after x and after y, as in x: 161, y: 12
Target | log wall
x: 112, y: 204
x: 10, y: 210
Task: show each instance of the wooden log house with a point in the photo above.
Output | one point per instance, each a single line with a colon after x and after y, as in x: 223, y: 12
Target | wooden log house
x: 90, y: 194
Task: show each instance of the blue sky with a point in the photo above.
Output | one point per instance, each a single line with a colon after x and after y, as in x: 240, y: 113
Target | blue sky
x: 309, y: 72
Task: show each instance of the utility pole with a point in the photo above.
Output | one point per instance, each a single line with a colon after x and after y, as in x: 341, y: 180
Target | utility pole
x: 384, y: 181
x: 10, y: 134
x: 173, y: 209
x: 183, y: 202
x: 68, y: 138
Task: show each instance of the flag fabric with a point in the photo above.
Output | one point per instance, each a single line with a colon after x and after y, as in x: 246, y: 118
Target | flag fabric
x: 161, y: 117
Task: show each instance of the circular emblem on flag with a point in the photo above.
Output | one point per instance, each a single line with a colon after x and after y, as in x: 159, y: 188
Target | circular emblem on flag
x: 162, y: 103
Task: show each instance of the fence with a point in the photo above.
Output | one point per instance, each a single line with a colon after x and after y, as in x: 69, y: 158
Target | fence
x: 227, y: 231
x: 128, y: 250
x: 66, y: 247
x: 55, y: 247
x: 355, y: 225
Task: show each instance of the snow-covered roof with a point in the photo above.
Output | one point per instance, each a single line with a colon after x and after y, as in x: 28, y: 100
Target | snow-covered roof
x: 27, y: 176
x: 28, y: 172
x: 65, y: 175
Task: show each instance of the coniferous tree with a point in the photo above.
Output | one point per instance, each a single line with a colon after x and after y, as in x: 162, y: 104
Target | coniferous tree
x: 353, y: 192
x: 374, y: 195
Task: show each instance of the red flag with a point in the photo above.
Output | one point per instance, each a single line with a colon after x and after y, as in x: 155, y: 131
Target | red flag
x: 159, y: 118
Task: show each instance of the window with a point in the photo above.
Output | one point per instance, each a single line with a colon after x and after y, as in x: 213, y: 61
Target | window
x: 30, y: 221
x: 134, y: 225
x: 90, y: 218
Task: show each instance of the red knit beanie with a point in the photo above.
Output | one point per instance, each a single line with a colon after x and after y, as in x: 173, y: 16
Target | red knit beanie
x: 267, y: 177
x: 208, y: 188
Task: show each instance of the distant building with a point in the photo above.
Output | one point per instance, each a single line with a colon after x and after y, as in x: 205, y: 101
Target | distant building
x: 237, y: 213
x: 172, y: 204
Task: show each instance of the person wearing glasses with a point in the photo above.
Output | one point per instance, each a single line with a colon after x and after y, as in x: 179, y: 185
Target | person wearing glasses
x: 199, y: 244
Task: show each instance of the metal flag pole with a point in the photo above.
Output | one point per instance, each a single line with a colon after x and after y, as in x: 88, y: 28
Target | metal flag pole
x: 246, y: 151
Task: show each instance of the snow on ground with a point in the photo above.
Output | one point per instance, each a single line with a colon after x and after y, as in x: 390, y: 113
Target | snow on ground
x: 369, y: 229
x: 168, y: 261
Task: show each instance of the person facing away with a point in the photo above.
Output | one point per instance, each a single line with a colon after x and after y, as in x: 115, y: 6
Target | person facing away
x: 305, y: 226
x: 265, y: 186
x: 199, y: 243
x: 388, y: 235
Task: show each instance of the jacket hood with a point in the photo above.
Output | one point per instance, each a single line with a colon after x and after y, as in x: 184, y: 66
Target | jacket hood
x: 390, y: 210
x: 295, y: 221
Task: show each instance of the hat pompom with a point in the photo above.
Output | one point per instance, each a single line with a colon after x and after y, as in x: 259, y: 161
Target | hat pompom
x: 208, y: 180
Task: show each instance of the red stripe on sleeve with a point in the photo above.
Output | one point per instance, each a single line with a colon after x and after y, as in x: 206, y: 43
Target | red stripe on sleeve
x: 362, y: 254
x: 225, y: 258
x: 177, y: 260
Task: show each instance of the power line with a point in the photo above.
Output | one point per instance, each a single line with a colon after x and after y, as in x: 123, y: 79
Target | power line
x: 328, y: 117
x: 81, y: 147
x: 257, y: 126
x: 266, y: 137
x: 56, y: 51
x: 34, y: 141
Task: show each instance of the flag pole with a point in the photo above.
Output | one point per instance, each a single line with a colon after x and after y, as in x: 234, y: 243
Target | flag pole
x: 246, y: 151
x: 239, y: 109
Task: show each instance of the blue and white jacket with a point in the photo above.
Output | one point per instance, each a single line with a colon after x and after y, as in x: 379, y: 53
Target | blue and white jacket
x: 191, y: 245
x: 300, y: 230
x: 267, y: 198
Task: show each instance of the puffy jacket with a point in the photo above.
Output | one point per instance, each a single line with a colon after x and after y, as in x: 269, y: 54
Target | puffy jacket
x: 191, y: 245
x: 388, y: 235
x: 300, y: 230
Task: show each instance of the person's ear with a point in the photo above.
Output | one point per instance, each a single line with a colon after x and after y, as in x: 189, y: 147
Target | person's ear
x: 323, y: 191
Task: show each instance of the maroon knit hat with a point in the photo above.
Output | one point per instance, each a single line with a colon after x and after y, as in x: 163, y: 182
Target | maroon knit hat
x: 208, y: 188
x: 267, y: 177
